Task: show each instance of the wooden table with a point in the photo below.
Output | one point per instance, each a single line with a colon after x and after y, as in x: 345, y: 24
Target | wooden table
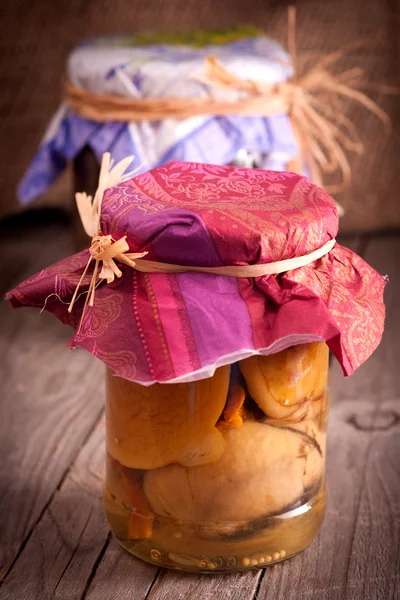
x: 54, y: 542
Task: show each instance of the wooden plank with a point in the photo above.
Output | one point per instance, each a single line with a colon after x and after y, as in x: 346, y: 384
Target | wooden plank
x: 172, y: 585
x: 374, y: 568
x: 130, y: 577
x: 64, y: 550
x: 356, y: 554
x: 71, y: 532
x: 51, y: 398
x: 47, y: 412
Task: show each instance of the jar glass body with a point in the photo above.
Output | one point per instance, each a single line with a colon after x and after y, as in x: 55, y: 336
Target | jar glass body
x: 221, y: 474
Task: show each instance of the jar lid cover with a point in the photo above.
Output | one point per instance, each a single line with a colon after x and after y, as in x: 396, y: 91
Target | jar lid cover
x: 180, y: 326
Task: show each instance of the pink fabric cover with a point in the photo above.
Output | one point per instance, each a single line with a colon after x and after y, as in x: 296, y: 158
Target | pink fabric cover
x: 169, y: 327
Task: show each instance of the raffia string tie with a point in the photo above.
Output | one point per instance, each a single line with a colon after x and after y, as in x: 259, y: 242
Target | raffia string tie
x: 312, y: 101
x: 106, y: 252
x: 238, y: 271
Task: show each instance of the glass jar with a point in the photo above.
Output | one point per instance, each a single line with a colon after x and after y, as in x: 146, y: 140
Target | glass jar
x: 221, y: 474
x: 224, y: 473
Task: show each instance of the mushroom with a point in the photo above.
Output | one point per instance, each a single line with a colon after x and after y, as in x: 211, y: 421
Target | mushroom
x: 264, y: 470
x: 285, y: 384
x: 149, y: 427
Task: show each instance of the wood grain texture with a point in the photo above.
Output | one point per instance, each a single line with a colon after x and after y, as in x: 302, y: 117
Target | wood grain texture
x: 130, y: 577
x: 375, y: 557
x: 64, y: 545
x: 51, y: 398
x: 172, y: 585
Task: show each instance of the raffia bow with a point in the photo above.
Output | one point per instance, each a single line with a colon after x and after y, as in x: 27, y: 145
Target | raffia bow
x: 104, y: 250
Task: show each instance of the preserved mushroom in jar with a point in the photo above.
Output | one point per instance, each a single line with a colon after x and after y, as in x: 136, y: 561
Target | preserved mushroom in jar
x: 222, y: 473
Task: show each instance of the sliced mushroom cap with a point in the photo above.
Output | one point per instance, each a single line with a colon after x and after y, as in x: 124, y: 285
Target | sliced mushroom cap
x: 284, y: 384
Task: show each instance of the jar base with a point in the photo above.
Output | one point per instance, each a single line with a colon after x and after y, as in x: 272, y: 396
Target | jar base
x: 216, y: 548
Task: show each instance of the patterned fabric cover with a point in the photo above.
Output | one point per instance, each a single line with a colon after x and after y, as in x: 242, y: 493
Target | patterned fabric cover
x: 175, y: 327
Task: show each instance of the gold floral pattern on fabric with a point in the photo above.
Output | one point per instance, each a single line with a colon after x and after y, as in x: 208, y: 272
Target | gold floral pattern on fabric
x: 123, y: 361
x: 108, y: 310
x: 354, y: 301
